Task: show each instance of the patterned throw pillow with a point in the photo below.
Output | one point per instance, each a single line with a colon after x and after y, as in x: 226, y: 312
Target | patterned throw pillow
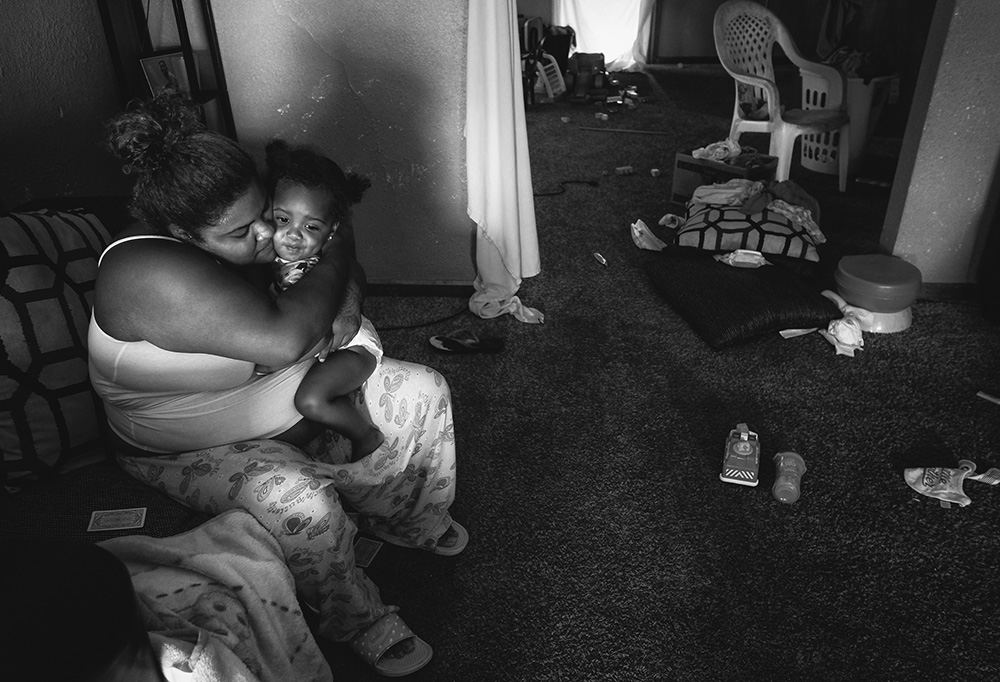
x: 714, y: 227
x: 49, y: 413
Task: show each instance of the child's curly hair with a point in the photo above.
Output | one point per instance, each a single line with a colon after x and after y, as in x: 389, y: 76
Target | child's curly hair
x: 305, y: 166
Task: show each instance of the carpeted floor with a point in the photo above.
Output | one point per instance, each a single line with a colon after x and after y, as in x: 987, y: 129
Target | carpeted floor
x: 603, y: 544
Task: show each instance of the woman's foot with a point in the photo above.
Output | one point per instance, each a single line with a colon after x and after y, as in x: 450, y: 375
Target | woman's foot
x: 453, y: 541
x: 392, y: 648
x: 367, y: 444
x: 401, y: 650
x: 450, y: 543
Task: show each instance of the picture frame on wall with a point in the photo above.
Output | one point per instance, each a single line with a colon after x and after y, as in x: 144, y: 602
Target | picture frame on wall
x: 165, y: 71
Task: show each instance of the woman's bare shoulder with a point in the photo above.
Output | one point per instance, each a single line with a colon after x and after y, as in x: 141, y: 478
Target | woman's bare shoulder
x: 140, y: 280
x: 144, y: 257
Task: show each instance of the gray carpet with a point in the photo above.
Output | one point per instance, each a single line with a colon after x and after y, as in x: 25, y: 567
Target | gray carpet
x: 603, y: 545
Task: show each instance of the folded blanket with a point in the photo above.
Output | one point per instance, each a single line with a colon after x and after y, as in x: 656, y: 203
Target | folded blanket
x: 220, y: 604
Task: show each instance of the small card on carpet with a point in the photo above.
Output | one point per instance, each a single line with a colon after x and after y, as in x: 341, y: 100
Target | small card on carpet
x: 117, y: 519
x: 365, y: 551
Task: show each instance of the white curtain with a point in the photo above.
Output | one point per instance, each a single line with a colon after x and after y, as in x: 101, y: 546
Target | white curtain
x: 619, y: 29
x: 499, y: 174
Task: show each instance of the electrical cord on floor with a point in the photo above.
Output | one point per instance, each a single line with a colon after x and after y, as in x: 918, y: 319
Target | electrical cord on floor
x: 417, y: 325
x: 562, y: 187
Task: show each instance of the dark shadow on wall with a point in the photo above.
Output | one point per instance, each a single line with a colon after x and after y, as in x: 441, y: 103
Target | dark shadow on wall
x: 988, y: 271
x: 380, y: 114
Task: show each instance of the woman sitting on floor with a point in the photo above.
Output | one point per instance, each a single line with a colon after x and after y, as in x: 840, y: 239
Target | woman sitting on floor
x: 181, y: 318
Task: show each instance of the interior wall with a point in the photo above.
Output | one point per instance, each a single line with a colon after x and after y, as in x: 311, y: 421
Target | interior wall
x: 536, y: 8
x: 58, y: 88
x: 380, y: 87
x: 683, y: 30
x: 938, y: 208
x: 684, y: 27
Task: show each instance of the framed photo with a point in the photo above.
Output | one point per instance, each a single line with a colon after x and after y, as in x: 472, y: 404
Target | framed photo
x: 165, y: 71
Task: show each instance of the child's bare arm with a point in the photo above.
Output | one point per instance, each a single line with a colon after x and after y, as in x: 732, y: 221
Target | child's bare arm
x: 348, y: 320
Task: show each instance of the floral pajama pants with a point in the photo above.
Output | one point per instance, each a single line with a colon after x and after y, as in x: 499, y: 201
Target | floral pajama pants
x: 400, y: 493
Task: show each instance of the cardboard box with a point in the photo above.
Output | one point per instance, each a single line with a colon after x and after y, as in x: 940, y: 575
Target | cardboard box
x: 690, y: 173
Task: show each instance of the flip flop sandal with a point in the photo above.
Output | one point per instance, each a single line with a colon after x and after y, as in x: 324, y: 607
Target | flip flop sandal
x: 452, y: 546
x: 382, y: 635
x: 464, y: 341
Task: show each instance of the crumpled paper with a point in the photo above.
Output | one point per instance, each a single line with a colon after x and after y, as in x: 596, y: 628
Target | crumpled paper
x: 742, y: 258
x: 671, y: 220
x: 644, y: 238
x: 945, y: 483
x: 801, y: 216
x: 718, y: 151
x: 845, y: 334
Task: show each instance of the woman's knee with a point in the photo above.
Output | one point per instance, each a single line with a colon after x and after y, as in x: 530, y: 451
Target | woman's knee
x: 428, y: 379
x: 298, y: 497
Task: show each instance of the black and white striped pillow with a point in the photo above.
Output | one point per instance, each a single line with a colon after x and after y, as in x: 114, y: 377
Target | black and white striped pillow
x: 49, y: 414
x: 715, y: 227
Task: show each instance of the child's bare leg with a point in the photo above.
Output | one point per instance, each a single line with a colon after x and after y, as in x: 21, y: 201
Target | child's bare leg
x: 343, y: 417
x: 323, y: 397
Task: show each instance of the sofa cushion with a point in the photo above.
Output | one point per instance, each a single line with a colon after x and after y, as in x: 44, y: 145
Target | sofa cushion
x: 727, y: 306
x: 49, y: 414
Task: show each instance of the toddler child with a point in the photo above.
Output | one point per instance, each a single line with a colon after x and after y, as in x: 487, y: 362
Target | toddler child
x: 310, y: 197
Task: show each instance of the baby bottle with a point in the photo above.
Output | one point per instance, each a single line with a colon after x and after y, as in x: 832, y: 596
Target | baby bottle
x: 789, y: 468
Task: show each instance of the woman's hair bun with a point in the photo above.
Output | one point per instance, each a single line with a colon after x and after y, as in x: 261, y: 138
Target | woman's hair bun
x: 145, y: 136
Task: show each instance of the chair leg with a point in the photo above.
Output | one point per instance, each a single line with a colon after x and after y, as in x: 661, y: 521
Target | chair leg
x: 734, y: 130
x: 782, y: 146
x: 843, y: 157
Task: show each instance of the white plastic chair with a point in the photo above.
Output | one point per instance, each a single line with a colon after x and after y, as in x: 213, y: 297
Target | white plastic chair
x: 745, y: 34
x: 551, y: 76
x: 537, y: 64
x: 532, y: 32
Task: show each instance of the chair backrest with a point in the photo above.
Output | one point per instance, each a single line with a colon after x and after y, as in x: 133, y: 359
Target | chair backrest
x: 551, y: 74
x: 532, y: 34
x: 745, y: 34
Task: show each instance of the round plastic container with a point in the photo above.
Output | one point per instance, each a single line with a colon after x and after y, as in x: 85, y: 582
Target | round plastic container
x: 879, y: 283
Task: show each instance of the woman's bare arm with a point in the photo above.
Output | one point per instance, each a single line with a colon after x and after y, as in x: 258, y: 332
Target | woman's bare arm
x: 180, y: 298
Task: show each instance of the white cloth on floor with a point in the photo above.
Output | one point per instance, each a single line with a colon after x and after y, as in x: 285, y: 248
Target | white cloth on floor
x: 219, y: 603
x: 731, y: 193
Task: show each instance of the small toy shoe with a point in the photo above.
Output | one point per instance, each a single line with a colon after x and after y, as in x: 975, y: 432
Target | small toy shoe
x: 945, y: 484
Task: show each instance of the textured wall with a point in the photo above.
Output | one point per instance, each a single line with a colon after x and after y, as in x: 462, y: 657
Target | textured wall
x: 536, y: 8
x: 380, y: 87
x: 941, y: 196
x: 57, y: 88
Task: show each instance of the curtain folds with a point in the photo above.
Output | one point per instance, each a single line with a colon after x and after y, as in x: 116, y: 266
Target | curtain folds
x: 501, y: 202
x: 620, y: 30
